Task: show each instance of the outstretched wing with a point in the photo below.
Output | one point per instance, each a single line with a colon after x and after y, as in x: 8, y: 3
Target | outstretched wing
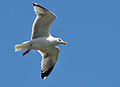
x: 42, y: 22
x: 49, y: 59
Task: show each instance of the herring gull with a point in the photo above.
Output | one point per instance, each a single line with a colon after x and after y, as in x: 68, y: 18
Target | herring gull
x: 42, y: 40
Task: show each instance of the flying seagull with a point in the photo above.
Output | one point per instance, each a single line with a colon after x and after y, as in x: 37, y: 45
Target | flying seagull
x: 42, y: 41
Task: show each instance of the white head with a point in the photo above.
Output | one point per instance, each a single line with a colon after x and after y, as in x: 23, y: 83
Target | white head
x: 58, y: 41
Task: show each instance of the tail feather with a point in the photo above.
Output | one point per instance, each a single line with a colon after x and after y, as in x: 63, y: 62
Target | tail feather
x: 20, y: 47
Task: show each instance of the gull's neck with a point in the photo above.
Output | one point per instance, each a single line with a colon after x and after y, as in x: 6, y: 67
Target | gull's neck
x: 50, y: 37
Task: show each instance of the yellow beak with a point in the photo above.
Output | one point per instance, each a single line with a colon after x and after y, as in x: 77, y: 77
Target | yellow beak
x: 64, y: 43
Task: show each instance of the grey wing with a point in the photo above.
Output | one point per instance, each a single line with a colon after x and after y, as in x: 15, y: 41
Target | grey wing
x: 42, y: 22
x: 49, y: 59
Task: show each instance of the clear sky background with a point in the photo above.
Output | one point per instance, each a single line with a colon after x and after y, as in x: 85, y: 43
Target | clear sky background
x: 91, y: 58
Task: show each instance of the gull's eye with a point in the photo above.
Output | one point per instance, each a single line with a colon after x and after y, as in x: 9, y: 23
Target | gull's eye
x: 59, y: 39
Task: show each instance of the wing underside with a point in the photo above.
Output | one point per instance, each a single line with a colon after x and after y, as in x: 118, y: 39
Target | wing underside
x: 42, y: 22
x: 49, y: 59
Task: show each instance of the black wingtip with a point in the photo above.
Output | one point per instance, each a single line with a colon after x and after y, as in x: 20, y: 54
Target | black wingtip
x: 34, y: 4
x: 46, y: 74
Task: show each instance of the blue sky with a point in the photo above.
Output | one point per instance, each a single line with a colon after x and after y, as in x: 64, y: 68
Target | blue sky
x: 91, y: 58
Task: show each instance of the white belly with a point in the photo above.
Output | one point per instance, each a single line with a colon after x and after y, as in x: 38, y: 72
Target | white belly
x: 39, y: 43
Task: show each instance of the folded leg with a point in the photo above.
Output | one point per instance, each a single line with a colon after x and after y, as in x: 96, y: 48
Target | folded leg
x: 26, y: 52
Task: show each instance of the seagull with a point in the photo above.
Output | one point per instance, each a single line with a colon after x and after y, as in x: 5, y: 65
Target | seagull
x: 42, y: 41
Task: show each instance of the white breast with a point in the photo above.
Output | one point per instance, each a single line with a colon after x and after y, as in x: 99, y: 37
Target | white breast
x: 40, y: 43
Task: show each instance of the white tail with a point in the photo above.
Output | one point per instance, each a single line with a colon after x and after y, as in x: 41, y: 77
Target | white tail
x: 20, y: 47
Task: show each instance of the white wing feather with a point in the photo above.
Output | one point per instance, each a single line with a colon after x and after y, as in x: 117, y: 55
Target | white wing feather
x: 49, y: 59
x: 42, y: 22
